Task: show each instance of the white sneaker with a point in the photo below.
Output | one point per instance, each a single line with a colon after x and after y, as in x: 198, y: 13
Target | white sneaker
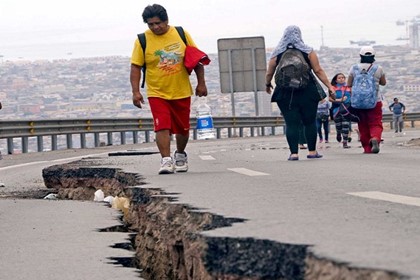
x: 166, y: 166
x: 181, y: 162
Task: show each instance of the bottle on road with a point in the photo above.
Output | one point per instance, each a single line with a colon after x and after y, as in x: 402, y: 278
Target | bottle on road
x: 205, y: 128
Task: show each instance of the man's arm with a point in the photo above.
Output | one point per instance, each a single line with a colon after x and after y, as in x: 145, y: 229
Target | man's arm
x: 350, y: 81
x: 382, y: 80
x: 135, y: 76
x: 320, y: 73
x: 272, y: 64
x: 201, y: 89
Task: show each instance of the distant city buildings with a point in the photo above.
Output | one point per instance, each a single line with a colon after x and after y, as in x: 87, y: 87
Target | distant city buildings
x: 411, y: 88
x: 99, y: 87
x: 414, y: 34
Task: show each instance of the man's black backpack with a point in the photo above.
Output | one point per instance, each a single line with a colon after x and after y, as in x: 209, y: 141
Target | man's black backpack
x: 142, y: 40
x: 292, y: 70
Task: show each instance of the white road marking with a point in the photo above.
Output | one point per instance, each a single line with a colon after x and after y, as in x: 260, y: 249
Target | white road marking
x: 247, y: 172
x: 78, y: 157
x: 206, y: 157
x: 44, y: 161
x: 402, y: 199
x: 22, y: 165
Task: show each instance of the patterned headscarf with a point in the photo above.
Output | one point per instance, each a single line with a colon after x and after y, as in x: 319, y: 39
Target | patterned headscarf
x: 291, y: 35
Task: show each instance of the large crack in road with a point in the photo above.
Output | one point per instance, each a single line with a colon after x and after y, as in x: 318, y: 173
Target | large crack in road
x: 169, y: 238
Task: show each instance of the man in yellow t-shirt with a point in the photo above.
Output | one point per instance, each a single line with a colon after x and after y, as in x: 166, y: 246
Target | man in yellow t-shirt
x: 168, y: 85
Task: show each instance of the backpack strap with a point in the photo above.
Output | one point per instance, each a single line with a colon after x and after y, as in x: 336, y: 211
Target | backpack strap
x: 142, y: 40
x: 181, y: 34
x: 372, y: 68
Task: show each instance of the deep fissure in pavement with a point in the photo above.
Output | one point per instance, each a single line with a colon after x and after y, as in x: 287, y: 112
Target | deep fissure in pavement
x: 169, y: 239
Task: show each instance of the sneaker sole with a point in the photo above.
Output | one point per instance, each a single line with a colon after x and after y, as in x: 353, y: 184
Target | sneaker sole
x: 181, y: 169
x: 375, y: 147
x: 161, y: 172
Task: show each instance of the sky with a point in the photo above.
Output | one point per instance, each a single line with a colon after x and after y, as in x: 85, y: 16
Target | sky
x: 46, y: 28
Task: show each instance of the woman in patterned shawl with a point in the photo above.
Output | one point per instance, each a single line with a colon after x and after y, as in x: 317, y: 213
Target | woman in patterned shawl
x: 298, y: 106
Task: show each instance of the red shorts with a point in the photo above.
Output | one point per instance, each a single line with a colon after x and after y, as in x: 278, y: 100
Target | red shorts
x: 171, y: 114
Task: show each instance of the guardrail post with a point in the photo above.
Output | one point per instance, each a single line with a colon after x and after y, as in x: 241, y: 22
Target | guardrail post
x: 241, y: 132
x: 262, y: 131
x: 218, y: 133
x: 10, y: 146
x: 96, y: 139
x: 123, y: 138
x: 54, y: 145
x: 109, y: 136
x: 83, y: 140
x: 273, y: 130
x: 147, y: 136
x: 194, y: 134
x: 40, y: 143
x: 412, y: 124
x: 229, y: 132
x: 135, y: 137
x: 24, y: 144
x: 69, y: 141
x: 252, y: 131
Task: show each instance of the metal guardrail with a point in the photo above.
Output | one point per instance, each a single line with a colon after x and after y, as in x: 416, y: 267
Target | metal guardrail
x: 225, y: 126
x: 26, y: 129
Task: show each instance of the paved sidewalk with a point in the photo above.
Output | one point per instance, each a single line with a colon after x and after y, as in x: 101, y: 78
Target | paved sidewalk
x: 59, y: 240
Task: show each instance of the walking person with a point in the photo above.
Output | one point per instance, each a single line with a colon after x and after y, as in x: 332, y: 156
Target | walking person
x: 370, y: 120
x: 168, y: 85
x: 297, y: 105
x: 302, y: 138
x: 398, y: 109
x: 341, y: 115
x: 323, y: 120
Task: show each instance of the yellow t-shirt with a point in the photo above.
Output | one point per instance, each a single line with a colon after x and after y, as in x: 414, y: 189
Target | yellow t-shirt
x: 166, y: 75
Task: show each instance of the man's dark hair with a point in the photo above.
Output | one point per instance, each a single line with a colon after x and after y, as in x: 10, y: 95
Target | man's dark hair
x: 367, y: 58
x: 154, y: 10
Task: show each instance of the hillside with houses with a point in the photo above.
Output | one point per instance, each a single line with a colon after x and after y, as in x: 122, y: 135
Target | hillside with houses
x: 100, y: 88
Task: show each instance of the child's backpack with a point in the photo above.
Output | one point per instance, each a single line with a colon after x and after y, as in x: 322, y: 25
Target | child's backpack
x: 142, y: 40
x: 363, y: 91
x: 292, y: 71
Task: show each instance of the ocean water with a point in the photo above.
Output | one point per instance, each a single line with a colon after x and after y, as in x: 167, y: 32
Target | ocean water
x: 65, y: 50
x: 51, y: 51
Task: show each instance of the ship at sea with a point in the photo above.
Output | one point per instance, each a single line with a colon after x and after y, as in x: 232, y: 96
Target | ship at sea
x: 362, y: 42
